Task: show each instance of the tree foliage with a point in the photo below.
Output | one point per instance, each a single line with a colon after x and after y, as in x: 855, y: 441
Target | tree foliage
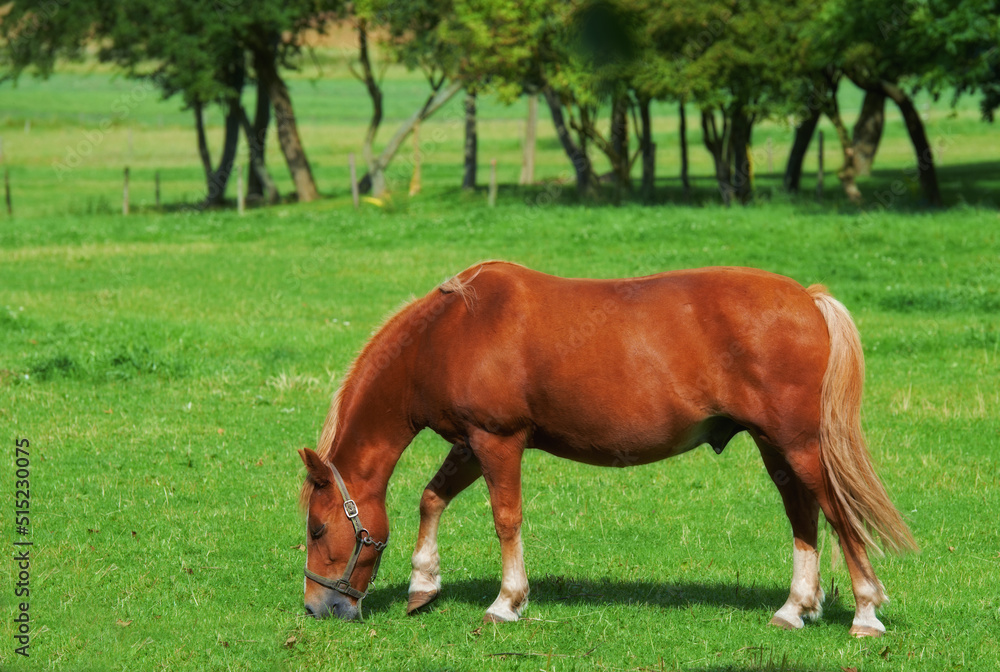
x: 598, y: 64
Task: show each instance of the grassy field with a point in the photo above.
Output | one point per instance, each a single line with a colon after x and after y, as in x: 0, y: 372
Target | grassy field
x: 166, y: 366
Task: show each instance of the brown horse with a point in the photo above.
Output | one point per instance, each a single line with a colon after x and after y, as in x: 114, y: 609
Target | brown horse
x: 610, y: 372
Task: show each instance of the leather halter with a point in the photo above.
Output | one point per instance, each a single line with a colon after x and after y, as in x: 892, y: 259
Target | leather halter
x: 361, y: 538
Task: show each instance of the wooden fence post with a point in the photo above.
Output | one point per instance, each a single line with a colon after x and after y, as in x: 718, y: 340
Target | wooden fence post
x: 6, y: 189
x: 157, y: 189
x: 125, y: 194
x: 415, y: 180
x: 355, y: 196
x: 493, y: 183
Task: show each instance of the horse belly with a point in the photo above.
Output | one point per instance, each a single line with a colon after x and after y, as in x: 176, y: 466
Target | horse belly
x: 612, y: 428
x: 623, y: 448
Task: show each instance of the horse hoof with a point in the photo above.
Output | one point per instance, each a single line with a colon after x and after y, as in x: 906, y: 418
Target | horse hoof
x: 780, y: 622
x: 419, y: 600
x: 865, y: 631
x: 494, y: 618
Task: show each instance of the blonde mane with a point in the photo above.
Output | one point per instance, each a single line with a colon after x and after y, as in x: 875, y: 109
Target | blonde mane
x: 459, y: 285
x: 331, y: 426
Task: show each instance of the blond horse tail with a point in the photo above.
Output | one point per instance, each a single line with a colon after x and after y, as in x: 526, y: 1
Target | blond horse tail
x: 857, y: 493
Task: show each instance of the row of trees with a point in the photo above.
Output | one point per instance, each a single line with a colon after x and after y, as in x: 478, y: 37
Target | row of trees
x: 597, y: 64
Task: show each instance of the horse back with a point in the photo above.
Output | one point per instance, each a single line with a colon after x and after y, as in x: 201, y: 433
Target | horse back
x: 628, y: 367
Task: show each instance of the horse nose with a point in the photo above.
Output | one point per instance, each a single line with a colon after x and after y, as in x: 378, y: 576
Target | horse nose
x: 345, y: 611
x: 333, y: 604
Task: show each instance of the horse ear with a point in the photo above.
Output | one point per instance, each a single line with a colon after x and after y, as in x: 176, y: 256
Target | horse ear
x: 319, y: 471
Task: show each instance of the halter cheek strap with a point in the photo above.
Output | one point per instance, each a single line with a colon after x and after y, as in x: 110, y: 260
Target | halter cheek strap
x: 361, y: 538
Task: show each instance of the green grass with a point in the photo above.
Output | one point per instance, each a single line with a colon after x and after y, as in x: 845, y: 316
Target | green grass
x: 166, y: 367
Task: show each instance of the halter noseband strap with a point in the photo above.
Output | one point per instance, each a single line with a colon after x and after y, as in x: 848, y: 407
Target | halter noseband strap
x: 361, y: 538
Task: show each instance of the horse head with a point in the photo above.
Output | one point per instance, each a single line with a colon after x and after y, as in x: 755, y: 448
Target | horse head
x: 342, y: 558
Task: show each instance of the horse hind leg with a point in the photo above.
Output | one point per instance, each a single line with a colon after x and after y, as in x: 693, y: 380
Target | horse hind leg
x: 805, y: 597
x: 459, y: 470
x: 868, y: 591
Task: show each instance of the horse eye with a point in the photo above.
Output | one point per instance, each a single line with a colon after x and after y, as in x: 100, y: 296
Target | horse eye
x: 317, y: 533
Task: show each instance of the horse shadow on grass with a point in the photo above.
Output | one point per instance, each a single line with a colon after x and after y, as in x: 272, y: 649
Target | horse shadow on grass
x: 551, y: 589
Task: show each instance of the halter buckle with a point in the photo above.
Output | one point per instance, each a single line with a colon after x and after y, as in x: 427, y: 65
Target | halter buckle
x: 351, y: 509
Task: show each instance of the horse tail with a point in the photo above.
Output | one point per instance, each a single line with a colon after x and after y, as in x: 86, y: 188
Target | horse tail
x: 857, y: 494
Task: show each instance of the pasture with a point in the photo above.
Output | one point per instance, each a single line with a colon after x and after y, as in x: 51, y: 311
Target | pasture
x: 166, y: 366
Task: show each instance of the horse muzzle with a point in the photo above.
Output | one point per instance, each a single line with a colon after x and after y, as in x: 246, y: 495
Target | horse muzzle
x: 333, y: 603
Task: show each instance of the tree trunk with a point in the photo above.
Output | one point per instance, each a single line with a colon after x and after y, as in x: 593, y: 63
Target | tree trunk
x: 621, y: 165
x: 739, y: 140
x: 803, y: 136
x: 648, y: 151
x: 376, y: 178
x: 265, y: 63
x: 868, y: 131
x: 469, y: 176
x: 203, y: 151
x: 846, y: 173
x: 219, y: 178
x: 925, y: 156
x: 586, y: 184
x: 375, y: 93
x: 720, y: 148
x: 530, y: 132
x: 259, y: 187
x: 266, y: 190
x: 682, y: 130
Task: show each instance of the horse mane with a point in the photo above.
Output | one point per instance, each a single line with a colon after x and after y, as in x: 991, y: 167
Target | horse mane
x: 459, y: 284
x: 331, y: 426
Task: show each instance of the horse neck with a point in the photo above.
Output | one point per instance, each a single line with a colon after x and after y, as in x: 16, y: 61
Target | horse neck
x: 372, y: 443
x: 374, y: 423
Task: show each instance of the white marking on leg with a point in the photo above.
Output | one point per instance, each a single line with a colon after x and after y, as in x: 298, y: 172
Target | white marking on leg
x: 426, y: 574
x: 426, y: 563
x: 513, y: 597
x: 805, y: 598
x: 867, y: 597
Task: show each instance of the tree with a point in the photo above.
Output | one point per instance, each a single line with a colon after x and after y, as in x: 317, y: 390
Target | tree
x: 262, y: 36
x: 737, y: 60
x: 816, y: 96
x: 970, y: 61
x: 189, y: 49
x: 886, y: 50
x: 414, y: 36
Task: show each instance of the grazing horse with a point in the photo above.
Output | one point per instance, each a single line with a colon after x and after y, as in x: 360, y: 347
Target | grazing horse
x: 501, y: 358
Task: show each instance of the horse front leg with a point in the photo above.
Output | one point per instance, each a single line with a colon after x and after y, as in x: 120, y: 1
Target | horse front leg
x: 458, y: 471
x: 500, y: 457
